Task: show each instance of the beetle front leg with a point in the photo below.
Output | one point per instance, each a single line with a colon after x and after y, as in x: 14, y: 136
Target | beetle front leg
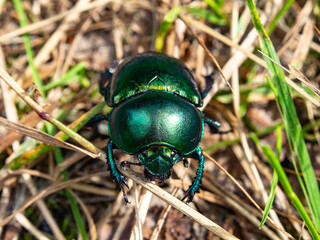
x: 194, y: 188
x: 115, y: 173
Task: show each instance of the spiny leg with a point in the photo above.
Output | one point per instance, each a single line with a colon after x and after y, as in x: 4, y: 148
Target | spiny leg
x: 115, y: 173
x: 214, y: 126
x: 194, y: 188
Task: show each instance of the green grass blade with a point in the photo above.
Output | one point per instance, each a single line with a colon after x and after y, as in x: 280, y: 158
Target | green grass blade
x: 275, y: 163
x: 270, y: 198
x: 39, y: 84
x: 216, y: 7
x: 74, y: 74
x: 275, y: 178
x: 267, y: 151
x: 77, y: 215
x: 23, y: 20
x: 73, y: 203
x: 207, y: 15
x: 310, y: 125
x: 173, y: 14
x: 279, y: 141
x: 227, y: 143
x: 165, y: 25
x: 31, y: 155
x: 292, y: 125
x: 282, y: 11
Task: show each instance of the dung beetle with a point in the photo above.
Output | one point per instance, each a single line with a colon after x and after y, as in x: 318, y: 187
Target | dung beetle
x: 155, y: 116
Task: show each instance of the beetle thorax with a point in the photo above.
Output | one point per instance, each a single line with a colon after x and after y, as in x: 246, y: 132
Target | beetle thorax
x: 158, y: 162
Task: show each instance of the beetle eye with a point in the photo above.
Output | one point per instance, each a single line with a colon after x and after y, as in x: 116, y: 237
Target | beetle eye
x: 144, y: 153
x: 173, y: 154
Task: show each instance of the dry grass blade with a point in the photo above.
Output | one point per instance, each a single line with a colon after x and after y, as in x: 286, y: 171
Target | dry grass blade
x: 234, y: 181
x: 31, y: 120
x: 67, y: 163
x: 295, y: 87
x: 95, y: 190
x: 43, y: 208
x: 42, y: 137
x: 6, y: 77
x: 123, y: 223
x: 212, y: 58
x: 244, y: 52
x: 224, y: 39
x: 246, y: 158
x: 317, y: 30
x: 38, y: 25
x: 300, y: 76
x: 237, y: 204
x: 247, y: 194
x: 51, y: 44
x: 301, y: 19
x: 5, y: 174
x: 162, y: 218
x: 304, y: 44
x: 48, y: 191
x: 179, y: 205
x: 142, y: 204
x: 31, y: 228
x: 43, y: 114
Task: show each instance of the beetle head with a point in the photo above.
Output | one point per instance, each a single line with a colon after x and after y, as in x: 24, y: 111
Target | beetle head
x: 158, y: 162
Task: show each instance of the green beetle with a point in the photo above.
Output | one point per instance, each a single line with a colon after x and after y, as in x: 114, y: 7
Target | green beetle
x: 155, y: 116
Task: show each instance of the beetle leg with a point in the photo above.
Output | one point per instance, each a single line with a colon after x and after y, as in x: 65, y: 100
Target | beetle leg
x: 194, y: 188
x: 96, y: 119
x: 115, y: 173
x: 209, y: 83
x: 214, y: 126
x: 106, y: 77
x: 185, y: 163
x: 130, y: 163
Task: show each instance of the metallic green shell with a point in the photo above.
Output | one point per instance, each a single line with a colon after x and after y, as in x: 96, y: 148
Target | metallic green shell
x: 156, y: 118
x: 151, y: 71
